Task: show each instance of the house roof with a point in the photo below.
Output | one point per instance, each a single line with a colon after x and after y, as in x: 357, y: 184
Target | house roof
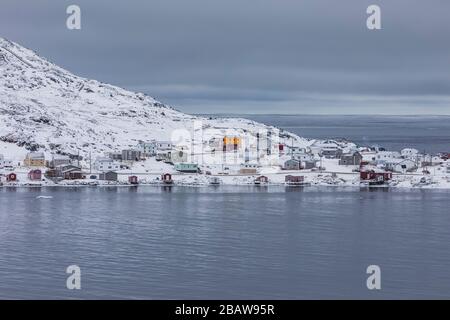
x: 72, y: 170
x: 61, y: 157
x: 104, y: 160
x: 67, y: 167
x: 36, y: 155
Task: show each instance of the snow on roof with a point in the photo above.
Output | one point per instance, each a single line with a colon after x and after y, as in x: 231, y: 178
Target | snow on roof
x: 61, y: 157
x: 326, y: 144
x: 409, y: 150
x: 35, y: 155
x: 103, y: 160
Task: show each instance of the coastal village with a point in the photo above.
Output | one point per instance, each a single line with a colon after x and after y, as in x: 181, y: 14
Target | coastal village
x: 59, y: 129
x: 277, y: 162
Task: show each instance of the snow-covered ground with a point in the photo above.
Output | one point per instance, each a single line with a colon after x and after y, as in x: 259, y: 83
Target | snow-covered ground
x: 149, y: 173
x: 48, y: 109
x: 45, y: 107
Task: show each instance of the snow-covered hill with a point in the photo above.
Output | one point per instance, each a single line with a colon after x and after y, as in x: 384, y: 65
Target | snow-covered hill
x: 44, y: 107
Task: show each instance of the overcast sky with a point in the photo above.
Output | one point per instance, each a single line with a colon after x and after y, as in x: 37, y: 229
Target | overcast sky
x: 252, y: 56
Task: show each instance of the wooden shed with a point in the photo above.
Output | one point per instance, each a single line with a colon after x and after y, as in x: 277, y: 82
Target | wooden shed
x: 108, y: 176
x: 11, y: 177
x: 166, y: 178
x: 294, y: 180
x: 261, y: 180
x: 35, y: 175
x: 375, y: 175
x: 133, y: 180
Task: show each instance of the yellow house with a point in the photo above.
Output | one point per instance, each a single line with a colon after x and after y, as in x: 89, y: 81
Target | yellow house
x: 35, y: 159
x: 231, y: 141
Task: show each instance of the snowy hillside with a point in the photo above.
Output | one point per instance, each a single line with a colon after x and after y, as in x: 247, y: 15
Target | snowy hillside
x: 44, y: 107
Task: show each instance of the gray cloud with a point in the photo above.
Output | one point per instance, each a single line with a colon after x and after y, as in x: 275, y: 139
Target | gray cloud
x: 309, y: 56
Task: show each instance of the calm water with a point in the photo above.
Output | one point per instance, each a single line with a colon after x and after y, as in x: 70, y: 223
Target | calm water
x: 228, y: 242
x: 237, y: 242
x: 425, y: 133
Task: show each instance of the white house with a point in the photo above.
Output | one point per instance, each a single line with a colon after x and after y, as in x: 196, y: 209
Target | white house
x: 409, y: 153
x: 329, y: 149
x: 428, y: 159
x: 106, y: 165
x: 387, y: 156
x: 318, y: 146
x: 179, y: 154
x: 4, y: 163
x: 401, y: 166
x: 164, y: 145
x: 368, y: 156
x: 303, y: 157
x: 58, y: 160
x: 296, y: 150
x: 147, y: 148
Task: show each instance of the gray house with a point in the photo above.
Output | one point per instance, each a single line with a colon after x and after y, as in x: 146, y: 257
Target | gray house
x: 58, y: 160
x: 308, y: 164
x: 331, y: 153
x: 131, y: 155
x: 350, y: 159
x: 115, y: 156
x: 108, y: 176
x: 292, y: 164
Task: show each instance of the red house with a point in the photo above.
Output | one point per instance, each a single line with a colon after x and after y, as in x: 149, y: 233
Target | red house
x: 167, y: 178
x: 262, y: 180
x: 294, y: 179
x: 374, y: 175
x: 133, y: 180
x: 35, y: 175
x: 11, y: 177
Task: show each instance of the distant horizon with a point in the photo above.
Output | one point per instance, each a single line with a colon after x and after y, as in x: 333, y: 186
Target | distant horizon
x: 319, y: 114
x: 233, y: 56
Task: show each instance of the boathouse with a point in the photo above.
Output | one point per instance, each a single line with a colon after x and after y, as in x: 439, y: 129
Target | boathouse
x: 167, y: 178
x: 133, y: 180
x: 294, y: 179
x: 35, y: 175
x: 262, y: 180
x: 108, y: 176
x: 12, y: 177
x: 375, y: 175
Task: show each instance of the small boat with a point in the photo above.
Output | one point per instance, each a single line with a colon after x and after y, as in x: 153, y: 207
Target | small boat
x: 215, y: 181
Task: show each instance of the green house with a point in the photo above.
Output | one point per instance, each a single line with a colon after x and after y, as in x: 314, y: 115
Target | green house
x: 187, y: 167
